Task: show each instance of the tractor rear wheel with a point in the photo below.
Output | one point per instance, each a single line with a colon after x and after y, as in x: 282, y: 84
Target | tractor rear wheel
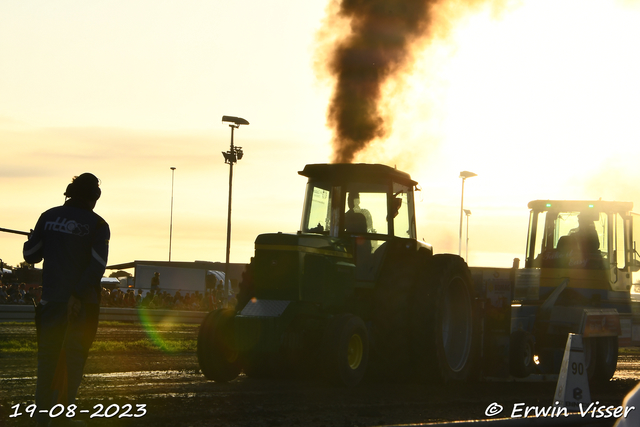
x: 521, y: 352
x: 217, y: 355
x: 445, y: 321
x: 346, y: 346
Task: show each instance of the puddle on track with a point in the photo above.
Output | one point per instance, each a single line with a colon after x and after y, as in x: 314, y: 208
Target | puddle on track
x: 143, y: 374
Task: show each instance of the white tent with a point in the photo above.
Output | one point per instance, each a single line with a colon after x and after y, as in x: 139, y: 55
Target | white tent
x: 219, y: 275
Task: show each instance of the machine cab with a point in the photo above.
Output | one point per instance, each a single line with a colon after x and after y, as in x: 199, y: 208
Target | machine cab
x: 591, y: 240
x: 362, y: 204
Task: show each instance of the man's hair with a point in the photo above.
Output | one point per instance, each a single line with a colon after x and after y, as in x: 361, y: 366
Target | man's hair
x: 85, y: 186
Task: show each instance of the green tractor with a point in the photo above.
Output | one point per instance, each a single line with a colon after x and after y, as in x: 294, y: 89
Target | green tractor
x: 352, y: 292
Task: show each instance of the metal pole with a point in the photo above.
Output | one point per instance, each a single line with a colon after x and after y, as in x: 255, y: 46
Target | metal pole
x: 226, y: 266
x: 173, y: 169
x: 6, y: 230
x: 461, y: 205
x: 466, y: 257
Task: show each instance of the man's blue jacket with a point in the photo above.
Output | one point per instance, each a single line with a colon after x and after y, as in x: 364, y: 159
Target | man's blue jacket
x: 74, y: 243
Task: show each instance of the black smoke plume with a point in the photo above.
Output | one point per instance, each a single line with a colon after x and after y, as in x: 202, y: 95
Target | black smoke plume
x: 378, y: 47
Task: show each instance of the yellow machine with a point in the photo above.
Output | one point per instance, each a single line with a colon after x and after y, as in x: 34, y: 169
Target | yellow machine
x: 578, y: 277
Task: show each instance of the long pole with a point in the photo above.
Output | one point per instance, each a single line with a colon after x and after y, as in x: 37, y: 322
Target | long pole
x: 466, y: 257
x: 6, y: 230
x: 173, y: 169
x: 226, y: 266
x: 461, y: 205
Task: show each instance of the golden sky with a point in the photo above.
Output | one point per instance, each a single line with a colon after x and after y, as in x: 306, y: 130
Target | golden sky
x: 540, y: 98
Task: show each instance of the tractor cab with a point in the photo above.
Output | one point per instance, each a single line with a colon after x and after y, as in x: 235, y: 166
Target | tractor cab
x: 363, y: 205
x: 589, y: 242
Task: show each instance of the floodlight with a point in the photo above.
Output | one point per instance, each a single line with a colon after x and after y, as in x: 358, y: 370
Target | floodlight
x: 467, y: 174
x: 231, y: 157
x: 235, y: 120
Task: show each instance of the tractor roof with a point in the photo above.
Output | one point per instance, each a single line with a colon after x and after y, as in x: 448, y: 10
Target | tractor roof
x: 580, y: 205
x: 356, y: 172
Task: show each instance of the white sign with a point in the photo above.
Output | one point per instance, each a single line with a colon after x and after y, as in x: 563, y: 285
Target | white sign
x: 572, y: 389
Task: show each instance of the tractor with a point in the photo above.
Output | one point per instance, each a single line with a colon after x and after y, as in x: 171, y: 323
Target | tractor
x: 353, y: 292
x: 577, y: 278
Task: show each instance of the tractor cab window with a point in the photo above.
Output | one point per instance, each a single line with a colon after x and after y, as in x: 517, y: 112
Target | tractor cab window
x: 572, y: 240
x: 366, y: 225
x: 401, y: 211
x: 316, y: 217
x: 634, y: 248
x: 366, y: 209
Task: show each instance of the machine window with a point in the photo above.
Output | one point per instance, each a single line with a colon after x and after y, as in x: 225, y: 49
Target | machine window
x: 366, y: 213
x: 618, y: 243
x: 400, y: 212
x: 317, y: 215
x: 581, y: 238
x: 366, y: 210
x: 635, y: 258
x: 570, y: 239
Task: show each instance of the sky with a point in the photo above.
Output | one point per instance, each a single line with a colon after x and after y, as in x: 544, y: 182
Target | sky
x: 540, y: 98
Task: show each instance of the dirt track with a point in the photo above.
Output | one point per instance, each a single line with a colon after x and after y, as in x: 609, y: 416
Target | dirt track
x: 176, y: 394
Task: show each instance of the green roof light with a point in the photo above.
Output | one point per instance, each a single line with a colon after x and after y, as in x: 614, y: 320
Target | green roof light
x: 590, y: 206
x: 548, y: 205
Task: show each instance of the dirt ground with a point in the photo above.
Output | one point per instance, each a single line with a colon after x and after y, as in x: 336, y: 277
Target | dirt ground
x: 176, y: 394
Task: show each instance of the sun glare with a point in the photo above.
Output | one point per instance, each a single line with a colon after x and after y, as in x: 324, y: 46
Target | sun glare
x: 544, y: 89
x: 549, y: 86
x: 540, y: 98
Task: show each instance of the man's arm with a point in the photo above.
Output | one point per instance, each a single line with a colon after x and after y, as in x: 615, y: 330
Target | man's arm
x: 32, y: 250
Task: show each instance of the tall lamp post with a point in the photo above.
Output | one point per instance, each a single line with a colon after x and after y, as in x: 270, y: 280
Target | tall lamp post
x: 467, y: 212
x: 173, y: 170
x: 231, y: 157
x: 464, y: 175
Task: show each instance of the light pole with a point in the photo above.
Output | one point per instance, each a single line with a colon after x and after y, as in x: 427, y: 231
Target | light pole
x: 231, y: 157
x: 464, y: 175
x: 467, y: 212
x: 173, y: 170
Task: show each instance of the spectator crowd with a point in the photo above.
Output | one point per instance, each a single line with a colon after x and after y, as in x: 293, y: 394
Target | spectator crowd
x: 19, y: 294
x: 130, y: 298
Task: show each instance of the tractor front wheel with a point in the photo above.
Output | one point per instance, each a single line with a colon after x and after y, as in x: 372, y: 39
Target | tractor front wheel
x: 590, y: 349
x: 521, y: 352
x: 217, y: 355
x: 346, y: 347
x: 606, y: 358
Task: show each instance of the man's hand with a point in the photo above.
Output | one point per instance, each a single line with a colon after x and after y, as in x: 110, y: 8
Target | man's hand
x: 73, y: 308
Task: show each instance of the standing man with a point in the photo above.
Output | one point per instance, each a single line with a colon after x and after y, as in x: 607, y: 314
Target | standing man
x: 74, y: 243
x: 155, y: 282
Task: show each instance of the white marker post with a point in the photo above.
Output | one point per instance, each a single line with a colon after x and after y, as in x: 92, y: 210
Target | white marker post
x: 573, y: 382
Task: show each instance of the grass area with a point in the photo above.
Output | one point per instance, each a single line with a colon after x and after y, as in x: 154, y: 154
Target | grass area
x: 145, y: 344
x: 5, y: 324
x: 26, y: 345
x: 114, y: 324
x: 150, y: 337
x: 111, y: 324
x: 18, y: 345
